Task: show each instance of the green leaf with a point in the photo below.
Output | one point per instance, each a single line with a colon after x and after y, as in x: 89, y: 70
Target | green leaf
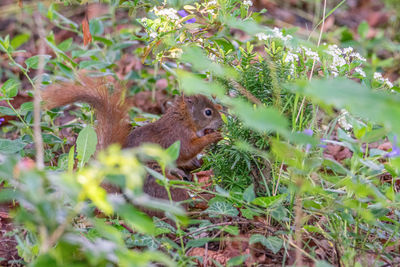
x: 71, y: 161
x: 96, y: 27
x: 248, y: 26
x: 92, y: 64
x: 103, y: 40
x: 139, y: 240
x: 193, y: 84
x: 194, y: 243
x: 238, y: 260
x: 288, y: 153
x: 11, y: 146
x: 200, y: 62
x: 266, y: 202
x: 249, y: 213
x: 162, y: 227
x: 248, y: 194
x: 33, y: 62
x: 261, y: 119
x: 376, y: 106
x: 173, y: 150
x: 51, y: 139
x: 374, y: 135
x: 363, y: 29
x: 59, y: 52
x: 86, y: 144
x: 19, y: 40
x: 272, y: 243
x: 5, y: 44
x: 7, y: 168
x: 221, y: 208
x: 7, y: 111
x: 26, y: 107
x: 136, y: 219
x: 231, y: 229
x: 65, y: 45
x: 10, y: 88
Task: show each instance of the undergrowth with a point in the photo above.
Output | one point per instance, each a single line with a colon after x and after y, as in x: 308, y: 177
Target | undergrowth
x: 307, y: 172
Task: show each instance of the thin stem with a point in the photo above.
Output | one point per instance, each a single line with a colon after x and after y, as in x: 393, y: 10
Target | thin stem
x: 36, y: 100
x: 19, y: 116
x: 313, y: 65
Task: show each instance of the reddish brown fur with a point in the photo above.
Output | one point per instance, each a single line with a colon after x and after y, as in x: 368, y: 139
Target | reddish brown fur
x: 185, y: 120
x: 111, y: 110
x: 181, y: 122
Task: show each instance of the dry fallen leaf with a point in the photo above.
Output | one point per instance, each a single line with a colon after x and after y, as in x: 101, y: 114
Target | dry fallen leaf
x: 87, y: 37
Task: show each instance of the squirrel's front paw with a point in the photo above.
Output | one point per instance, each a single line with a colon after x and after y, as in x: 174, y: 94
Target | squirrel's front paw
x: 216, y: 136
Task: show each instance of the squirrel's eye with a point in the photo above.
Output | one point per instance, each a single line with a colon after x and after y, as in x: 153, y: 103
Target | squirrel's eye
x: 208, y: 112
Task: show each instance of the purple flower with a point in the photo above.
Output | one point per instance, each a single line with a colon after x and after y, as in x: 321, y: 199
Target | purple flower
x: 1, y: 121
x: 308, y: 132
x: 183, y: 14
x: 395, y: 149
x: 321, y: 144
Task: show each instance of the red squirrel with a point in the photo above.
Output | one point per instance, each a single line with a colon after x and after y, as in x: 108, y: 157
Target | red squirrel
x: 193, y: 120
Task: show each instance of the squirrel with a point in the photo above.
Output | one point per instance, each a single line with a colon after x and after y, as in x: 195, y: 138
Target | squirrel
x: 193, y: 120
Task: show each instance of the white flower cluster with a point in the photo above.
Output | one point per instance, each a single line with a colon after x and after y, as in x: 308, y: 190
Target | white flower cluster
x: 309, y: 53
x: 170, y: 13
x: 337, y: 59
x: 351, y: 56
x: 248, y: 3
x: 342, y: 121
x: 292, y: 59
x: 385, y: 81
x: 360, y: 71
x: 342, y: 57
x: 167, y: 20
x: 275, y: 33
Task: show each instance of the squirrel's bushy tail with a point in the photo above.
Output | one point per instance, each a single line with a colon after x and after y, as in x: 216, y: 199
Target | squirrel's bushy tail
x: 107, y: 98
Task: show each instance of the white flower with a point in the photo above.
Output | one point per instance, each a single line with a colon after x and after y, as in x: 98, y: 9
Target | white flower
x: 309, y: 53
x: 167, y: 12
x: 153, y: 35
x: 292, y: 59
x: 356, y: 55
x: 337, y: 59
x: 247, y: 3
x: 385, y: 81
x: 275, y: 33
x: 347, y: 50
x: 212, y: 3
x: 342, y: 121
x: 262, y: 36
x: 212, y: 57
x: 360, y: 71
x: 378, y: 76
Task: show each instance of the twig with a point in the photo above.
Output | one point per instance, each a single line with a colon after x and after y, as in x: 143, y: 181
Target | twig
x: 208, y: 226
x: 246, y: 93
x: 279, y: 179
x: 36, y: 100
x: 313, y: 65
x: 298, y: 230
